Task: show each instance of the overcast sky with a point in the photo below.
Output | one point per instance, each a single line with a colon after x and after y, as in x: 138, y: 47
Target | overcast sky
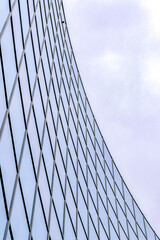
x: 117, y: 47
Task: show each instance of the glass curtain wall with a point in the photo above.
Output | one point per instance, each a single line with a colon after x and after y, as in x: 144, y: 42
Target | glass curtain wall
x: 57, y: 177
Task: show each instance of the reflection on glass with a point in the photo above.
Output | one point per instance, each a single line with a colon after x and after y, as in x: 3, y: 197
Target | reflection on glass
x: 57, y: 176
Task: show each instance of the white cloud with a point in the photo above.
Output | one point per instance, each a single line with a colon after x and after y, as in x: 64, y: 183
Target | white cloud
x: 151, y: 75
x: 72, y: 1
x: 116, y: 43
x: 108, y: 63
x: 153, y: 8
x: 112, y: 60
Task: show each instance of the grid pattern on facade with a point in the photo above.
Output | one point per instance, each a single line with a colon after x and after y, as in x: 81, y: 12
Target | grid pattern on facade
x: 57, y: 177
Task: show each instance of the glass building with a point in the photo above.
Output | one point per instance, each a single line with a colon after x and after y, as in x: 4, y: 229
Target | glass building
x: 57, y: 177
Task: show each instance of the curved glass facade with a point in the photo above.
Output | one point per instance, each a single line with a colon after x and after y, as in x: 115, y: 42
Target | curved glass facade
x: 57, y: 177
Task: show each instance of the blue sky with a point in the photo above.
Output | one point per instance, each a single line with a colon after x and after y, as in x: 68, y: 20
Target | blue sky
x: 117, y: 47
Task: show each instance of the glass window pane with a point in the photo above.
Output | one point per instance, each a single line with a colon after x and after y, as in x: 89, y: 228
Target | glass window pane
x: 102, y: 192
x: 122, y: 234
x: 60, y: 166
x: 68, y: 45
x: 82, y: 92
x: 82, y: 121
x: 53, y: 106
x: 42, y: 83
x: 73, y: 130
x: 4, y: 11
x: 64, y: 100
x: 51, y: 31
x: 8, y: 58
x: 74, y: 92
x: 39, y: 230
x: 103, y: 235
x: 48, y: 156
x: 17, y: 121
x: 120, y: 199
x: 3, y: 213
x: 82, y: 158
x: 81, y: 232
x: 68, y: 228
x: 118, y: 178
x: 109, y: 177
x: 150, y: 233
x: 24, y: 88
x: 59, y: 49
x: 93, y: 212
x: 35, y: 42
x: 73, y: 109
x: 43, y: 14
x: 7, y: 159
x: 31, y: 9
x: 48, y: 48
x: 30, y: 63
x: 39, y: 23
x: 82, y: 182
x: 92, y: 232
x: 113, y: 216
x: 91, y: 166
x: 34, y: 143
x: 111, y: 195
x: 17, y: 32
x: 139, y: 217
x: 122, y: 218
x: 140, y: 234
x: 103, y: 215
x: 72, y: 152
x: 100, y: 156
x: 108, y: 158
x: 38, y: 108
x: 82, y: 209
x: 18, y: 216
x: 58, y: 199
x: 25, y: 19
x: 131, y: 219
x: 132, y: 234
x: 113, y: 234
x: 51, y: 127
x: 92, y: 187
x: 46, y: 66
x: 128, y: 198
x: 55, y: 84
x: 66, y: 72
x: 91, y: 147
x: 57, y: 67
x: 55, y: 232
x: 28, y: 180
x: 63, y: 120
x: 100, y: 171
x: 44, y: 190
x: 2, y: 98
x: 75, y: 68
x: 99, y: 137
x: 82, y: 139
x: 62, y: 141
x: 71, y: 205
x: 72, y: 175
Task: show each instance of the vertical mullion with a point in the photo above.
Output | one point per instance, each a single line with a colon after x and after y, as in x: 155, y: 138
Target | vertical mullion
x: 106, y: 193
x: 116, y: 210
x: 95, y: 146
x: 56, y: 142
x: 67, y: 150
x: 41, y: 145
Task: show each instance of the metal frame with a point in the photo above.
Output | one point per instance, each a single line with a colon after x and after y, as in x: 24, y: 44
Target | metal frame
x: 54, y: 52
